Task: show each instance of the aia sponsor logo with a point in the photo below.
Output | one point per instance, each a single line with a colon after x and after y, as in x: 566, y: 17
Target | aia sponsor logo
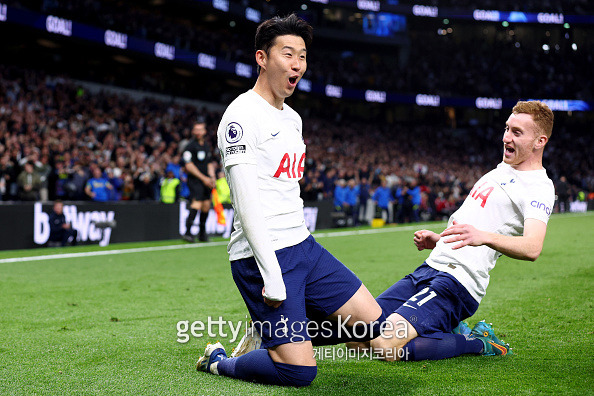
x: 481, y: 192
x: 290, y: 166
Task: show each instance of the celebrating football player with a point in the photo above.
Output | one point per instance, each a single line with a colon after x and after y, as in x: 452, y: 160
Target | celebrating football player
x: 506, y: 212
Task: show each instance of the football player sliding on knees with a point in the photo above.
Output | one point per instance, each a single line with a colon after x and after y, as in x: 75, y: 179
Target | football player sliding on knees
x: 505, y: 213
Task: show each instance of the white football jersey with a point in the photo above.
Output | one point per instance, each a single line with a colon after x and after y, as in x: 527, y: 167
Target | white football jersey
x: 254, y: 132
x: 499, y: 202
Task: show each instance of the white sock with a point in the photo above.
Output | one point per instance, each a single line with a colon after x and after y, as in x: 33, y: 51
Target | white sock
x: 214, y: 368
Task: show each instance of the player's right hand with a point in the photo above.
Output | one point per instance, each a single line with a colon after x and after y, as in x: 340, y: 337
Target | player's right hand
x: 425, y: 239
x: 270, y: 303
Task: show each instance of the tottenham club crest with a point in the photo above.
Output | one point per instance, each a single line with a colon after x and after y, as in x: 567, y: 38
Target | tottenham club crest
x: 234, y: 133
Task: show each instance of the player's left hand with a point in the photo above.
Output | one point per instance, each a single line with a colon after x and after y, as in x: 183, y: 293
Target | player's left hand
x: 465, y: 233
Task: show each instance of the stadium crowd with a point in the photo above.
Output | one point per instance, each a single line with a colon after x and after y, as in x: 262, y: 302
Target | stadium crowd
x: 58, y: 141
x: 490, y: 69
x: 498, y: 66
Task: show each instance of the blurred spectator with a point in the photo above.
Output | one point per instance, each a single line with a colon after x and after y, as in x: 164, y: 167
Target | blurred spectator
x: 115, y: 194
x: 59, y: 179
x: 383, y: 199
x: 98, y: 188
x: 170, y: 188
x: 364, y: 196
x: 76, y: 187
x: 563, y: 194
x: 7, y: 178
x: 144, y: 187
x: 330, y: 180
x: 414, y: 191
x: 340, y: 194
x: 312, y: 188
x: 442, y: 207
x: 128, y: 188
x: 29, y: 182
x: 174, y: 166
x: 352, y: 201
x: 44, y: 170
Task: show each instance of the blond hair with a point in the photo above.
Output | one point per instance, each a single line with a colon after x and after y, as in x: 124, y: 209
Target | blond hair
x: 541, y: 114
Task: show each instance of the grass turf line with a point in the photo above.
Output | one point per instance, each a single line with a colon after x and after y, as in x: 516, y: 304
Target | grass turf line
x: 106, y: 324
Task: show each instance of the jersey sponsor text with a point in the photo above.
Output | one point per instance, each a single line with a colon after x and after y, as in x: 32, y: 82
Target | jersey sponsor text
x: 288, y: 167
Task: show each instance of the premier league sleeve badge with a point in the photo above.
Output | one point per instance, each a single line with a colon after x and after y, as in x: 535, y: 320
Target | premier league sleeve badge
x: 233, y: 133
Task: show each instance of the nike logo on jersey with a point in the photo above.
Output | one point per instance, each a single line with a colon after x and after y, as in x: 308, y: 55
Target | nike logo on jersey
x: 274, y: 134
x: 406, y: 305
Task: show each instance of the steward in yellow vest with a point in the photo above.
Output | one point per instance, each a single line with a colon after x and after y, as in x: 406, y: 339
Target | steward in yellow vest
x: 170, y: 187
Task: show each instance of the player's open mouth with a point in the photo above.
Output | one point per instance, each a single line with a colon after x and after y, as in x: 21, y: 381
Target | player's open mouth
x: 293, y: 80
x: 509, y: 151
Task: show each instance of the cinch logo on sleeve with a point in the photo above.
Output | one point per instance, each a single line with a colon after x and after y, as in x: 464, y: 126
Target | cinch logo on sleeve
x: 288, y: 167
x: 540, y: 205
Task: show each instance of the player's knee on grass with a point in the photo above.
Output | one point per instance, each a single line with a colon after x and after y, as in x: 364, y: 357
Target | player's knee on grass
x: 292, y: 375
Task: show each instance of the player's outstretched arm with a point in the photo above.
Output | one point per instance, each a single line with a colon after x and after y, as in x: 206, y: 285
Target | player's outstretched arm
x: 425, y: 239
x: 525, y: 247
x: 243, y: 182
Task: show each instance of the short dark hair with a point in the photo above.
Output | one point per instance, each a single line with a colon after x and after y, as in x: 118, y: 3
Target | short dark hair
x: 270, y: 29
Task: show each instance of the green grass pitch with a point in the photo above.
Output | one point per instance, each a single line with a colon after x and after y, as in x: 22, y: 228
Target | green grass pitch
x: 107, y: 324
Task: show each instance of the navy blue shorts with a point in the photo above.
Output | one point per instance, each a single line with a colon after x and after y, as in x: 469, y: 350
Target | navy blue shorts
x: 432, y: 301
x: 317, y: 285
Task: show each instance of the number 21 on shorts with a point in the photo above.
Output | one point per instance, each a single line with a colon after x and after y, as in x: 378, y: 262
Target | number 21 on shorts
x: 416, y: 297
